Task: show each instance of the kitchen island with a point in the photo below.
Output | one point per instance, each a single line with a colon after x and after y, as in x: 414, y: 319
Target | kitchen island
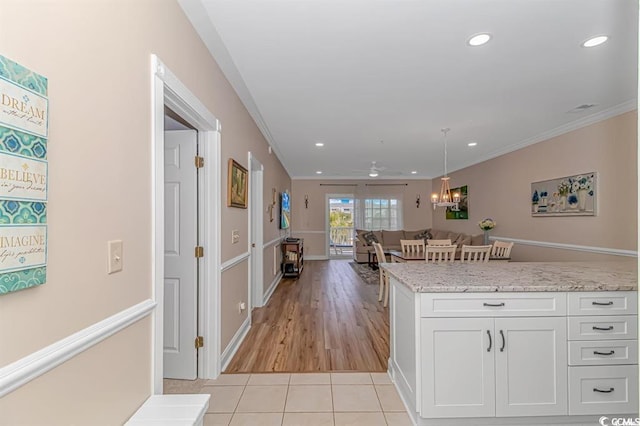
x: 514, y: 342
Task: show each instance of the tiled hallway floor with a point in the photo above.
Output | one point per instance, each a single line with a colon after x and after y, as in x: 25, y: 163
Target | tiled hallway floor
x: 300, y: 399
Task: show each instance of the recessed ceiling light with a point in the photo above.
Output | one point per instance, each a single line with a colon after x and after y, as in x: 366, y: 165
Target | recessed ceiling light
x: 413, y: 172
x: 318, y: 172
x: 472, y: 144
x: 595, y: 41
x: 319, y: 144
x: 479, y: 39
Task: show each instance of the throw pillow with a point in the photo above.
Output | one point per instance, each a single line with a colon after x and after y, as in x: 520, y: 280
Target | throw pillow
x: 425, y: 235
x: 370, y: 238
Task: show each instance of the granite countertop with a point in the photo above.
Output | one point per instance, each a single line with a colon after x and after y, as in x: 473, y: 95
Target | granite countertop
x: 515, y: 276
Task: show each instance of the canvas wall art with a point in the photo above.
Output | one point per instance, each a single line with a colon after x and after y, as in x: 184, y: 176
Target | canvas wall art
x: 462, y: 212
x: 566, y: 196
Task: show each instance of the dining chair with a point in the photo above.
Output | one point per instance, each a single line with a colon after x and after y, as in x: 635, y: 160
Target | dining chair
x: 384, y: 277
x: 501, y: 249
x: 439, y: 242
x: 438, y: 254
x: 475, y: 254
x: 412, y: 246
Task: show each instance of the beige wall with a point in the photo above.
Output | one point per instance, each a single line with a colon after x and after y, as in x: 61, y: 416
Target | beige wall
x: 499, y: 188
x: 96, y: 56
x: 310, y: 223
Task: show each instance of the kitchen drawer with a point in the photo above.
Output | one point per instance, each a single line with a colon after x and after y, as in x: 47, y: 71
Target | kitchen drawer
x: 603, y: 303
x: 607, y: 352
x: 603, y: 390
x: 603, y: 328
x: 493, y: 304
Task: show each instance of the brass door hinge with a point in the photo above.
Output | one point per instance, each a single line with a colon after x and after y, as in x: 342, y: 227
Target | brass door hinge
x: 199, y: 251
x: 199, y: 162
x: 199, y: 342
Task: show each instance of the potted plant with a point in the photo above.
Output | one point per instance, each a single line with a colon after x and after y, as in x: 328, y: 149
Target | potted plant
x: 535, y: 199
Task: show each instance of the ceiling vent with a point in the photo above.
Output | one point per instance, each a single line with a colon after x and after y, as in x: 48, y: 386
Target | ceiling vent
x: 581, y: 108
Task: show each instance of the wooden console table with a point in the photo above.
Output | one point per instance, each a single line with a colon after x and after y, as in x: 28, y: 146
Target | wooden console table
x: 292, y: 257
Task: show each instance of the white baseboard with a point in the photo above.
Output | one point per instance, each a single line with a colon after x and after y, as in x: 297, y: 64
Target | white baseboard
x: 272, y: 288
x: 38, y: 363
x: 574, y: 247
x: 235, y: 343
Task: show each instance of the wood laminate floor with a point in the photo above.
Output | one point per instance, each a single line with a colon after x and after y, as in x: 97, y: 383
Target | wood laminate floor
x: 327, y: 320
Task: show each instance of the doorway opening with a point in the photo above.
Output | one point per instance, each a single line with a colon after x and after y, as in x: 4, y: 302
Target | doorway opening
x: 340, y: 214
x: 256, y: 286
x: 169, y: 92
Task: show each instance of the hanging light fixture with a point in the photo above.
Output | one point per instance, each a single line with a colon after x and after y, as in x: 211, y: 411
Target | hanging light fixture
x: 446, y: 198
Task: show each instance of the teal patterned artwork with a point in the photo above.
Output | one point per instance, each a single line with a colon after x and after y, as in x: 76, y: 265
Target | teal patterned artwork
x: 23, y: 177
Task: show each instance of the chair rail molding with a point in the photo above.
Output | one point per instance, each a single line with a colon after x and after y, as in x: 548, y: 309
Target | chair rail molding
x: 40, y: 362
x: 234, y: 261
x: 574, y: 247
x: 272, y: 242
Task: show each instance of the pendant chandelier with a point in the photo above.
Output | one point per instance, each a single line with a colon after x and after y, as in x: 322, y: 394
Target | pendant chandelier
x: 446, y: 198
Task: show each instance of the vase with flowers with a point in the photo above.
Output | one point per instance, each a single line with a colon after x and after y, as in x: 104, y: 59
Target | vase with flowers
x: 563, y: 190
x: 582, y: 185
x: 487, y: 225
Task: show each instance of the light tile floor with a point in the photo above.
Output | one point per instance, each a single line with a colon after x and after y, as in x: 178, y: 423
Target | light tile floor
x: 299, y: 399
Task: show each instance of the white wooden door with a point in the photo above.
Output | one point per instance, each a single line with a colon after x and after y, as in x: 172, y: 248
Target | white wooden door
x: 531, y: 366
x: 457, y: 367
x: 180, y: 270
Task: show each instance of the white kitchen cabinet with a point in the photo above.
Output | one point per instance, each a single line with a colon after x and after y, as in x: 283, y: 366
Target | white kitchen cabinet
x: 484, y: 367
x: 458, y: 367
x: 531, y: 366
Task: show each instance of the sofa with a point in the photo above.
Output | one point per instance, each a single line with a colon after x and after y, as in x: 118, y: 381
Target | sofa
x: 390, y: 240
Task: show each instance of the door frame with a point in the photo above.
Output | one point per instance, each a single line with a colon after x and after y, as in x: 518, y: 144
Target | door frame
x: 167, y: 89
x: 256, y: 233
x: 327, y: 224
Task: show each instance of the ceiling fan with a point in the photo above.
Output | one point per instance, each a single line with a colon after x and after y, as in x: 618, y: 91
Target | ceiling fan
x: 375, y: 171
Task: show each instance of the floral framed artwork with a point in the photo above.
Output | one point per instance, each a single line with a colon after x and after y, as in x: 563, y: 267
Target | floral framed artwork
x: 237, y: 185
x: 462, y: 212
x: 566, y: 196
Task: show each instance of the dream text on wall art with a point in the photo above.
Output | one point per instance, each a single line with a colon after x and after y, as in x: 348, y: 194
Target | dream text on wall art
x: 24, y: 117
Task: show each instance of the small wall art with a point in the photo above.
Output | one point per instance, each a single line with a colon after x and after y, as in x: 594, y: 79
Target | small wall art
x: 566, y: 196
x: 462, y: 212
x: 237, y: 185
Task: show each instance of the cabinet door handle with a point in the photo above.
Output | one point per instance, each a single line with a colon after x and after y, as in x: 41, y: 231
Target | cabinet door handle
x: 504, y: 341
x: 490, y: 343
x: 603, y: 391
x: 609, y: 303
x: 611, y: 352
x: 493, y: 305
x: 595, y: 327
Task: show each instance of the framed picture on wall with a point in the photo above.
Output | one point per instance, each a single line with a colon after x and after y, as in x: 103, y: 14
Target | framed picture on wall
x: 462, y: 212
x: 237, y: 185
x: 566, y: 196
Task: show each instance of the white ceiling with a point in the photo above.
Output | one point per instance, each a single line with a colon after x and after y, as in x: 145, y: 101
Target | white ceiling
x: 376, y: 80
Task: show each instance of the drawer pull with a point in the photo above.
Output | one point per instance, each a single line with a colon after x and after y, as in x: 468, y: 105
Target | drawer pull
x: 603, y: 391
x: 489, y: 334
x: 604, y: 353
x: 595, y: 327
x: 609, y: 303
x: 493, y: 305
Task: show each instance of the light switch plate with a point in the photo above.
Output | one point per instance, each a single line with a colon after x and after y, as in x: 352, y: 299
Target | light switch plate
x: 114, y: 256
